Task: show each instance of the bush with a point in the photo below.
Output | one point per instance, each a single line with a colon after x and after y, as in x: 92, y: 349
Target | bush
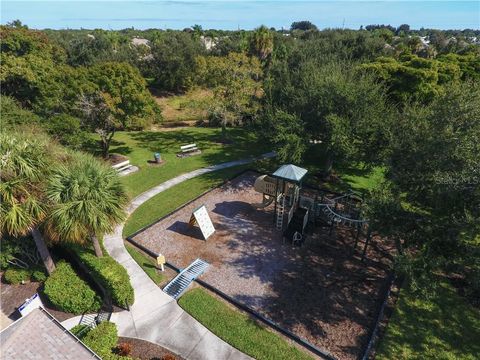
x: 80, y: 331
x: 67, y: 292
x: 110, y: 274
x: 38, y: 275
x: 124, y: 349
x: 102, y: 340
x: 16, y: 275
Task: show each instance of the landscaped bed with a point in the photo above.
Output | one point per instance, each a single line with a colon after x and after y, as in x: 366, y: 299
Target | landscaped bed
x: 319, y: 292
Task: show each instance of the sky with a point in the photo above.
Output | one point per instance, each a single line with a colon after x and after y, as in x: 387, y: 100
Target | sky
x: 243, y: 14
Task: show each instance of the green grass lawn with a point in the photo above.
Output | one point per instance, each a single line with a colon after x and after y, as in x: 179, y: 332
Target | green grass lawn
x: 444, y: 327
x: 140, y: 146
x: 146, y: 263
x: 167, y: 201
x: 238, y: 329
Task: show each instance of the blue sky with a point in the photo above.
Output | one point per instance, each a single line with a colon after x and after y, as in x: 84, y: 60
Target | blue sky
x: 245, y: 14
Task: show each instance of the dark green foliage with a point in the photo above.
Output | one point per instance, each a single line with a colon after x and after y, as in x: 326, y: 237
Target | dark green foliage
x: 80, y: 330
x: 38, y: 275
x: 68, y: 292
x: 13, y: 115
x: 16, y: 276
x: 333, y: 103
x: 303, y: 25
x: 433, y: 196
x: 173, y: 63
x: 102, y: 340
x: 113, y: 276
x: 67, y: 130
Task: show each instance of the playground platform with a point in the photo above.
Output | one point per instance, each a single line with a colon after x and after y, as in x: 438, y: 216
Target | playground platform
x: 319, y: 292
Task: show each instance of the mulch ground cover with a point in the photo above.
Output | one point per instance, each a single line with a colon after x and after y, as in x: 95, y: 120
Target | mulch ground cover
x: 145, y: 350
x: 322, y: 291
x: 12, y: 296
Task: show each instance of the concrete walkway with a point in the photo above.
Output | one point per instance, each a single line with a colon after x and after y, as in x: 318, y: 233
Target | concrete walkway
x: 155, y: 316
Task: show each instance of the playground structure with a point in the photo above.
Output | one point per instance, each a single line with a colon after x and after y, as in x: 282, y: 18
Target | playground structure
x: 284, y: 189
x: 295, y: 287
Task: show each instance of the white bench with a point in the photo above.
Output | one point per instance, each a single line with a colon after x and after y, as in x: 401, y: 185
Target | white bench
x: 124, y: 165
x: 188, y: 148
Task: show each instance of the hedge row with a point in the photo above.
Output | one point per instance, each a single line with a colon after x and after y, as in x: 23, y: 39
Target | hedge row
x: 102, y: 340
x: 17, y: 275
x: 68, y: 292
x: 111, y: 275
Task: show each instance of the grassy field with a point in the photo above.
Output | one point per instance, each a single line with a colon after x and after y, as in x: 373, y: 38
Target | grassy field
x: 189, y: 107
x: 146, y: 263
x: 444, y: 327
x: 169, y: 200
x: 139, y: 147
x: 238, y: 329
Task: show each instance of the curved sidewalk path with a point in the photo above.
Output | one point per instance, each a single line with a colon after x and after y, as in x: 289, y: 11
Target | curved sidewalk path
x: 155, y: 316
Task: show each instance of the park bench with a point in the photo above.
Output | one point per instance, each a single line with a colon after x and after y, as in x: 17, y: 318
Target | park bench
x: 185, y: 149
x: 121, y: 166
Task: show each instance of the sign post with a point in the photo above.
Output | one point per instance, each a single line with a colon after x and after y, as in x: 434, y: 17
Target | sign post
x: 200, y: 216
x: 161, y: 261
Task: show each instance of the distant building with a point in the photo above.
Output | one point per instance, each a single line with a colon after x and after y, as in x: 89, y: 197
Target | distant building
x: 208, y: 42
x: 136, y: 41
x: 38, y: 335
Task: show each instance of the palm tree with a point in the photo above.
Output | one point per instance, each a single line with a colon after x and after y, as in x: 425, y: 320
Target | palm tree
x: 261, y: 43
x: 87, y: 199
x: 24, y: 163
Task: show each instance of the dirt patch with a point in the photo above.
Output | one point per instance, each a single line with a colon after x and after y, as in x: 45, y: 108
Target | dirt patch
x: 322, y: 292
x: 115, y: 159
x: 15, y: 295
x: 145, y: 350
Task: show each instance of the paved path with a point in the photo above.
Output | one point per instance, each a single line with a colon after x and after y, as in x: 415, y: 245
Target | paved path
x: 155, y: 316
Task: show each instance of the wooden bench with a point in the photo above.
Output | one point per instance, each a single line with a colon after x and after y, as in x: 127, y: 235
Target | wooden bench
x: 124, y: 165
x: 188, y: 148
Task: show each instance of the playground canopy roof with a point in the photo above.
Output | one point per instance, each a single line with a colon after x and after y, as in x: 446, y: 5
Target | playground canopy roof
x: 290, y: 173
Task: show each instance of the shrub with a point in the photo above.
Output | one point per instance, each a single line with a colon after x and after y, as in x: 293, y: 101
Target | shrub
x: 80, y: 331
x: 124, y: 349
x: 110, y: 274
x: 16, y: 275
x: 102, y: 339
x: 67, y: 292
x: 38, y: 275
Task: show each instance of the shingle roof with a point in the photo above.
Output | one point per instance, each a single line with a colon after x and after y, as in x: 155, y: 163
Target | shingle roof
x: 39, y: 335
x: 290, y: 172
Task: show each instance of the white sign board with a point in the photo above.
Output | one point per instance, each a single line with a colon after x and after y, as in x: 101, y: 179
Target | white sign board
x: 201, y: 217
x: 30, y: 304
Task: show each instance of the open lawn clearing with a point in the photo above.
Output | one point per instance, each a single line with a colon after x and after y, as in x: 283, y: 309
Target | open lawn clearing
x: 320, y: 292
x: 237, y: 328
x: 185, y: 108
x: 139, y: 147
x: 443, y: 327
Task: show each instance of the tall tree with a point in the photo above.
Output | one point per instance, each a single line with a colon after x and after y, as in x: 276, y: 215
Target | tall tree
x: 261, y: 42
x: 88, y: 200
x: 433, y: 200
x: 24, y: 164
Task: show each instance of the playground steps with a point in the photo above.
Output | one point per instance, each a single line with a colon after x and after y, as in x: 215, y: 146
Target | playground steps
x: 179, y: 284
x: 280, y: 212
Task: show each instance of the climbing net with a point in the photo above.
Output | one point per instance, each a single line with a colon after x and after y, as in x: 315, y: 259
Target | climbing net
x: 345, y: 209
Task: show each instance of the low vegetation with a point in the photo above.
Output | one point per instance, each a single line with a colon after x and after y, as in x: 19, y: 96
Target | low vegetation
x: 68, y: 292
x: 443, y: 327
x: 16, y: 276
x: 110, y: 274
x: 238, y: 329
x: 147, y: 264
x: 102, y: 340
x: 139, y: 147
